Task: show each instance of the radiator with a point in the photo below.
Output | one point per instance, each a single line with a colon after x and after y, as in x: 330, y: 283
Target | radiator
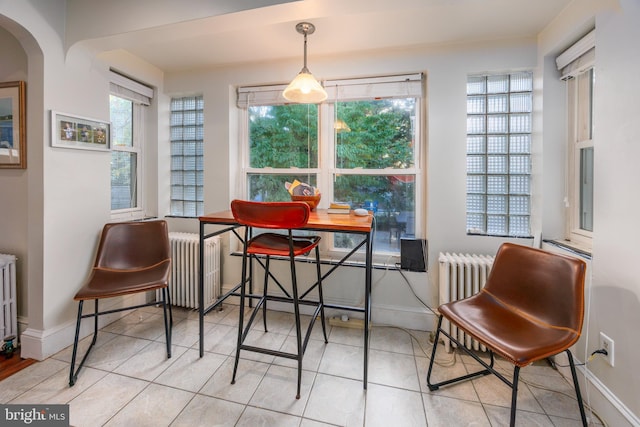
x: 183, y: 281
x: 461, y: 276
x: 8, y: 308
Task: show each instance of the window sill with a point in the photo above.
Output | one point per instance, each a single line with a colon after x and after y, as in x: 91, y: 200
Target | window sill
x: 581, y: 250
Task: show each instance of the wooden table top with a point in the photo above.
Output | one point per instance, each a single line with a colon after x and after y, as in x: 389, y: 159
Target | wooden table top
x: 319, y: 219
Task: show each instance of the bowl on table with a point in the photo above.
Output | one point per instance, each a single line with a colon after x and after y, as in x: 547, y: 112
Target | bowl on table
x: 312, y: 201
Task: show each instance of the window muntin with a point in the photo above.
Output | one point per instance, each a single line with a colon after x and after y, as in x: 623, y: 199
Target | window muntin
x: 361, y: 150
x: 125, y: 155
x: 499, y: 128
x: 187, y: 156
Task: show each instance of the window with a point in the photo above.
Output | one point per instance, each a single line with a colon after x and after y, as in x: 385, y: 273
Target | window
x: 127, y: 104
x: 187, y: 146
x: 499, y: 154
x: 360, y: 147
x: 576, y: 65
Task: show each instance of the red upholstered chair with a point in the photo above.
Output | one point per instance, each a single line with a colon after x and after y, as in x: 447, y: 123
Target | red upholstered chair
x: 132, y: 257
x: 285, y: 216
x: 531, y: 308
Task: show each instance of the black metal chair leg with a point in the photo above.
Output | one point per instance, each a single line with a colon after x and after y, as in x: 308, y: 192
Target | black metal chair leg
x: 514, y: 395
x: 577, y: 387
x: 243, y: 293
x: 167, y: 326
x: 264, y: 292
x: 73, y: 376
x: 296, y: 310
x: 320, y: 297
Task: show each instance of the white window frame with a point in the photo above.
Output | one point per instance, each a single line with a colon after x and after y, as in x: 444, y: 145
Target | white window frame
x: 577, y: 67
x: 339, y: 91
x: 140, y: 96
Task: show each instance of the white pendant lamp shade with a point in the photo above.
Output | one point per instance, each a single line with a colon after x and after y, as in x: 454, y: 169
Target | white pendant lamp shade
x: 305, y: 89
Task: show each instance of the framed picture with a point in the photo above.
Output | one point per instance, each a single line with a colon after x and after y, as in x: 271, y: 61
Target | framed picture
x: 13, y: 117
x: 69, y: 131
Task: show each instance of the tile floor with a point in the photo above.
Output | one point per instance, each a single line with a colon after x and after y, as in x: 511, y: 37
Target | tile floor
x: 128, y: 381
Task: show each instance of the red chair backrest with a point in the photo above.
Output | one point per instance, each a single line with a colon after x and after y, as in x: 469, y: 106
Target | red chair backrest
x: 133, y: 245
x: 276, y: 215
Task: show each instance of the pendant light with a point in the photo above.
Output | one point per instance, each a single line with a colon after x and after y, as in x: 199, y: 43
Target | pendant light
x: 305, y: 89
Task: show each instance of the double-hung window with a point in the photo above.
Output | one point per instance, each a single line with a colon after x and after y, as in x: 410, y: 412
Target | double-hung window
x: 499, y: 111
x: 362, y: 147
x: 576, y: 65
x: 187, y: 156
x: 127, y: 101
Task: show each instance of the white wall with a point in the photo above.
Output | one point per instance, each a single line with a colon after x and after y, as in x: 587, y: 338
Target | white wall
x: 614, y: 293
x: 13, y: 188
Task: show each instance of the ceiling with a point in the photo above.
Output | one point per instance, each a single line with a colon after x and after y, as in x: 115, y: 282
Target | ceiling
x: 202, y: 38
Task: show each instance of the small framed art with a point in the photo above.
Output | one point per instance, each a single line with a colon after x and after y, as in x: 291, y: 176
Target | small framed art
x: 13, y: 150
x: 69, y: 131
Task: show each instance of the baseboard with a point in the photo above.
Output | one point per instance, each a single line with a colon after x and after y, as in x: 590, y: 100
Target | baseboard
x: 40, y: 344
x: 597, y: 395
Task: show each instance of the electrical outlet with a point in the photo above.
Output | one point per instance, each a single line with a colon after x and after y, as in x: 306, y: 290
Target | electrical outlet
x: 607, y: 344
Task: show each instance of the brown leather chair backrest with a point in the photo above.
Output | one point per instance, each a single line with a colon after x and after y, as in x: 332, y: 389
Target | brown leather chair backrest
x: 544, y: 286
x: 133, y: 245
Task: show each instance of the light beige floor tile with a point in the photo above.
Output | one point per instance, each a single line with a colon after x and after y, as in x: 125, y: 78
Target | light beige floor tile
x: 24, y: 380
x: 343, y: 360
x: 256, y: 417
x: 221, y: 339
x: 387, y: 406
x: 190, y: 371
x: 421, y: 345
x: 312, y: 355
x: 336, y: 400
x: 155, y: 406
x: 563, y: 404
x: 113, y: 353
x: 316, y: 332
x: 151, y: 328
x: 393, y: 369
x: 447, y: 412
x: 210, y: 412
x: 311, y: 423
x: 462, y: 390
x: 103, y: 400
x: 150, y: 361
x: 277, y: 321
x: 391, y: 339
x: 492, y: 391
x: 277, y: 390
x: 261, y: 339
x: 214, y: 316
x: 501, y: 417
x: 66, y: 354
x: 248, y: 378
x: 348, y: 336
x: 55, y: 389
x: 186, y: 333
x: 129, y: 320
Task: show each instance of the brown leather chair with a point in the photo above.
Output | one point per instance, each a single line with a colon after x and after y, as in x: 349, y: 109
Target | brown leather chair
x: 531, y: 308
x: 132, y: 257
x: 277, y: 216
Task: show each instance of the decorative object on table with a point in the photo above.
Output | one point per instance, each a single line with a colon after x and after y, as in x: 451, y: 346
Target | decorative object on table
x: 302, y: 192
x: 8, y: 347
x: 304, y: 88
x: 339, y: 208
x: 69, y: 131
x: 13, y: 117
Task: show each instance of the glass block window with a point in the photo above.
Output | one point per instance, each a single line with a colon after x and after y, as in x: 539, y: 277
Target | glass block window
x: 499, y: 111
x: 187, y: 146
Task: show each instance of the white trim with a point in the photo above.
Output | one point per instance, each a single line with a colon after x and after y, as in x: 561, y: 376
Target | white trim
x: 576, y: 50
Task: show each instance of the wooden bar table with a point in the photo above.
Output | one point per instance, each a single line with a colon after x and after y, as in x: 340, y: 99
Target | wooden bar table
x: 319, y: 220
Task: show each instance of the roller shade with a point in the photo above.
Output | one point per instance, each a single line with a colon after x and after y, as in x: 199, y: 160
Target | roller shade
x: 405, y: 85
